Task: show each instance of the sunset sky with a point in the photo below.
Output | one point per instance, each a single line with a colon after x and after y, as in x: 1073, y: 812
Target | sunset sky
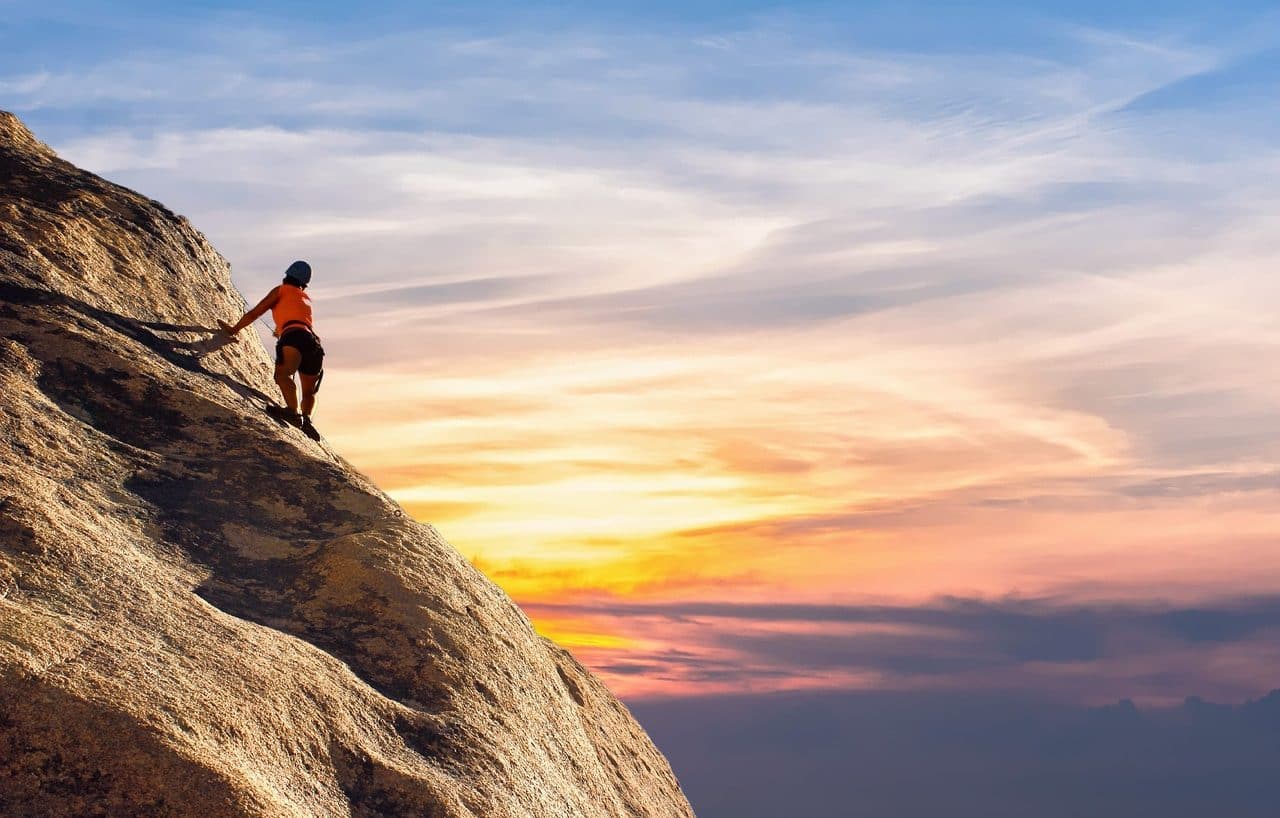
x: 757, y: 348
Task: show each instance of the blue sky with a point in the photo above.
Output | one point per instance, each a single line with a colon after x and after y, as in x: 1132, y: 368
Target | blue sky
x: 920, y: 349
x: 328, y: 43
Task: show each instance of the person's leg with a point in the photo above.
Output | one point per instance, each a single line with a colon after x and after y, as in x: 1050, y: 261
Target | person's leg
x: 290, y: 358
x: 310, y: 371
x: 309, y: 384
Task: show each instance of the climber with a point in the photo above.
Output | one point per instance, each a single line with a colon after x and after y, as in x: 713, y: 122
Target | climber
x: 298, y: 348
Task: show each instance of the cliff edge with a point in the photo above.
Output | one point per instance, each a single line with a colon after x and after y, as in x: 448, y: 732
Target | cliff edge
x: 203, y: 613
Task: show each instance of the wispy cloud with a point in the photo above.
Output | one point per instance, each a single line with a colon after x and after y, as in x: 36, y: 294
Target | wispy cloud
x: 1090, y: 652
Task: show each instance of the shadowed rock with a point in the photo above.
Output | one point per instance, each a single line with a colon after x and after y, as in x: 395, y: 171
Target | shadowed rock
x: 203, y: 613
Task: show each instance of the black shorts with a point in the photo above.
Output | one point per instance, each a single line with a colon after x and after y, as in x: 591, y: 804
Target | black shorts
x: 308, y: 344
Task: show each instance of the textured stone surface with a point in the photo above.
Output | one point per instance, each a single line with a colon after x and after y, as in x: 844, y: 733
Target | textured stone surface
x: 205, y: 613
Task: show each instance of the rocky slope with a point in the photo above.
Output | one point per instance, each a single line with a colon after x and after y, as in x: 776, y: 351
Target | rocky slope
x: 205, y: 613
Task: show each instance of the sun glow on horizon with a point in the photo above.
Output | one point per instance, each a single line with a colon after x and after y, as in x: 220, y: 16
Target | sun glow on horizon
x: 898, y: 479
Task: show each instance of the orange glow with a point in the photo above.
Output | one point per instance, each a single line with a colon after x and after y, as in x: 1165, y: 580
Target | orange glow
x: 578, y: 634
x: 797, y: 466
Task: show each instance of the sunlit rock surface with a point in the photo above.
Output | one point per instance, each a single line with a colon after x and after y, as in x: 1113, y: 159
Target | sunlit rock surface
x: 203, y: 613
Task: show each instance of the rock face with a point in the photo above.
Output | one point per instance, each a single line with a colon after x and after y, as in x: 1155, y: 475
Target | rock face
x: 203, y: 613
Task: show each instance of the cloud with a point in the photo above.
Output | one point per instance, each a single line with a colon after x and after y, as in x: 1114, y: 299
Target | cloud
x: 1071, y: 650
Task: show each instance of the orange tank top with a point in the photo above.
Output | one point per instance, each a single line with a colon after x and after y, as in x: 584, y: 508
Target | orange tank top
x: 293, y: 306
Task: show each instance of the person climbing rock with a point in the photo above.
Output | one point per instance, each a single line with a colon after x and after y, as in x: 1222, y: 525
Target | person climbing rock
x: 298, y: 349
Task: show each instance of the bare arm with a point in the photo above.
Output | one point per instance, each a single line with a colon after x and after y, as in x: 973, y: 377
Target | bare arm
x: 253, y: 314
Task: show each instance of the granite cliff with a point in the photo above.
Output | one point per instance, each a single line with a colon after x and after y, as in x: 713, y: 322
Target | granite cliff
x: 204, y: 613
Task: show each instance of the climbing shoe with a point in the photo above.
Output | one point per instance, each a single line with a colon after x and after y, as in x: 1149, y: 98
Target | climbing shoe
x: 282, y: 414
x: 308, y: 429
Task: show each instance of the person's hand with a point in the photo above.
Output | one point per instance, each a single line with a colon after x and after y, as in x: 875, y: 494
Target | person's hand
x: 226, y: 329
